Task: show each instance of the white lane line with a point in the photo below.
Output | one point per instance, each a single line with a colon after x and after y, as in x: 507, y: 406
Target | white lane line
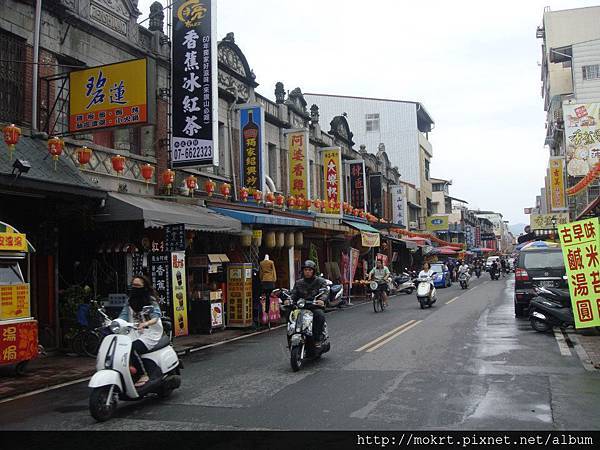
x: 393, y: 336
x: 39, y: 391
x: 453, y: 300
x: 562, y: 344
x: 375, y: 341
x: 216, y: 344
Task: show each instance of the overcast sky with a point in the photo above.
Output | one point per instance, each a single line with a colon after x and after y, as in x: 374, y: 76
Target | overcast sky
x: 473, y: 65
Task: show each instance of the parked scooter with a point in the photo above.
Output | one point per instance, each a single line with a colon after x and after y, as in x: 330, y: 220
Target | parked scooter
x: 299, y: 331
x: 550, y: 308
x: 334, y: 299
x: 113, y: 379
x: 404, y: 283
x: 426, y: 293
x: 464, y: 279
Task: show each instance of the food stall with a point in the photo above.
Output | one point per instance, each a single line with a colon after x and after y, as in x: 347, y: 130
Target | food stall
x: 208, y: 279
x: 18, y: 330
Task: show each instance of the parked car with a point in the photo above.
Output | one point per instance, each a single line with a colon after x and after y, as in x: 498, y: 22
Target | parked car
x: 442, y: 276
x: 542, y: 267
x: 490, y: 260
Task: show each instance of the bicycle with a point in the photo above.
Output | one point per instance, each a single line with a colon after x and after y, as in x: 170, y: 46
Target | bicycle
x: 377, y: 295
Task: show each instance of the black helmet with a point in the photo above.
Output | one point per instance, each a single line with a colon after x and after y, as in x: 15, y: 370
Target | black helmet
x: 308, y: 264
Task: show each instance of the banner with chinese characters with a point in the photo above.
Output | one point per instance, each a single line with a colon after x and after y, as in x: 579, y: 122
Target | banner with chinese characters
x: 108, y: 96
x: 14, y: 301
x: 376, y: 194
x: 399, y: 205
x: 298, y: 163
x: 437, y: 223
x: 160, y: 274
x: 13, y: 242
x: 332, y: 182
x: 194, y: 83
x: 357, y: 184
x: 580, y: 246
x: 557, y: 184
x: 18, y: 341
x: 544, y: 221
x: 582, y: 135
x: 179, y: 294
x: 252, y: 169
x: 370, y: 239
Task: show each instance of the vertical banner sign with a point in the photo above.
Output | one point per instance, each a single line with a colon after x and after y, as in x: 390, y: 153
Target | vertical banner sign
x: 470, y: 236
x: 252, y: 174
x: 160, y: 275
x: 332, y: 173
x: 357, y: 188
x: 194, y: 84
x: 345, y: 272
x: 375, y: 202
x: 399, y: 205
x: 477, y: 237
x: 354, y: 254
x: 298, y: 163
x: 557, y: 184
x: 174, y: 237
x: 581, y: 248
x: 178, y: 287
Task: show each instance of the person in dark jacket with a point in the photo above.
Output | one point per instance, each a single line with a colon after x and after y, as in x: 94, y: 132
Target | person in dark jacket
x: 307, y: 288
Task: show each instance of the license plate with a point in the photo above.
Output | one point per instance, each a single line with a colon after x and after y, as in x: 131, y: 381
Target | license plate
x: 547, y: 283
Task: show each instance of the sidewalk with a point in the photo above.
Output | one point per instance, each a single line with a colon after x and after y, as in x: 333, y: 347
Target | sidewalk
x: 590, y: 341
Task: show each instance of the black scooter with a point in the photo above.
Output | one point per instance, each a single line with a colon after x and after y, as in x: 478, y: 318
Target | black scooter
x: 550, y: 308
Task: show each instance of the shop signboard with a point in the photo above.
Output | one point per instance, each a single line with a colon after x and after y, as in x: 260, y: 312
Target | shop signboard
x: 252, y: 120
x: 239, y: 295
x: 174, y: 237
x: 437, y: 223
x: 376, y: 199
x: 357, y: 184
x: 370, y: 239
x: 14, y: 301
x: 399, y: 205
x: 469, y: 236
x: 18, y: 341
x: 13, y: 242
x: 582, y: 135
x: 113, y: 95
x: 581, y: 249
x: 299, y: 172
x: 488, y: 237
x: 179, y: 293
x: 194, y: 71
x: 137, y: 264
x: 477, y: 236
x: 160, y: 276
x: 544, y: 221
x: 216, y: 314
x: 332, y: 174
x: 557, y: 184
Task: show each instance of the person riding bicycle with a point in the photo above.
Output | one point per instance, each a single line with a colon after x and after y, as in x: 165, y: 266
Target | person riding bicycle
x: 307, y: 288
x: 381, y: 274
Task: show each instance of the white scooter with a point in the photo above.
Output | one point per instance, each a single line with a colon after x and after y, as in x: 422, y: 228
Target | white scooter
x: 113, y: 378
x: 426, y: 293
x: 463, y: 279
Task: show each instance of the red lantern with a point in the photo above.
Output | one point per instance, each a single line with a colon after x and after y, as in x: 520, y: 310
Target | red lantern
x: 300, y: 202
x: 168, y: 177
x: 355, y: 212
x: 307, y: 203
x: 291, y: 201
x: 318, y: 204
x: 11, y: 137
x: 209, y: 187
x: 84, y: 155
x: 244, y: 194
x: 147, y: 172
x: 257, y: 196
x: 118, y: 163
x: 55, y: 148
x: 279, y: 200
x: 361, y: 214
x: 337, y: 206
x: 270, y: 197
x: 192, y: 183
x: 225, y: 190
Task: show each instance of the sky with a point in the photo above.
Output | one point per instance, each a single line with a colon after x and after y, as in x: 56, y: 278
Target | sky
x: 474, y: 65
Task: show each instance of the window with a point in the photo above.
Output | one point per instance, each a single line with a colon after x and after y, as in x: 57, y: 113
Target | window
x: 272, y: 152
x: 12, y: 78
x: 372, y: 122
x: 591, y: 72
x: 427, y: 169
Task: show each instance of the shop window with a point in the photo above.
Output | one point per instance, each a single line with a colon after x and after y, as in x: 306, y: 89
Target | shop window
x: 12, y: 77
x: 372, y: 122
x: 591, y: 72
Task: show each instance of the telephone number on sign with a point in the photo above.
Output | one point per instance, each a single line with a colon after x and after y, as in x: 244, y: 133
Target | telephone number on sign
x: 192, y: 153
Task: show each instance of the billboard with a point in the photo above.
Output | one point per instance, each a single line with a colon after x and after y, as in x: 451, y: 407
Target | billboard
x: 113, y: 95
x: 437, y: 223
x: 194, y: 82
x: 332, y: 182
x: 298, y: 163
x: 544, y: 221
x: 252, y: 133
x: 357, y: 184
x: 557, y: 184
x: 582, y: 135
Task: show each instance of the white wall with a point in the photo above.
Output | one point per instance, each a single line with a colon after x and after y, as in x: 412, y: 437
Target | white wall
x: 585, y: 54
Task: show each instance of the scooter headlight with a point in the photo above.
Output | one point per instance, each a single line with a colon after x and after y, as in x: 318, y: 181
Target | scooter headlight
x: 114, y: 327
x: 301, y: 303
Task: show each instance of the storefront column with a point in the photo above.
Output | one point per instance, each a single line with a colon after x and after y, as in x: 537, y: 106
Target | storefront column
x: 292, y: 277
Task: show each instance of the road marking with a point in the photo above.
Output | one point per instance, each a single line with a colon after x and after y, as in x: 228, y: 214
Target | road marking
x: 39, y: 391
x: 393, y: 336
x: 583, y: 356
x: 562, y: 343
x: 375, y: 341
x: 453, y: 300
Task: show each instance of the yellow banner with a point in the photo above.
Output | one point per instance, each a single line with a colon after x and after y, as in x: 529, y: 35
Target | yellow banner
x: 178, y: 287
x: 298, y: 164
x: 581, y: 246
x: 437, y: 223
x: 13, y: 242
x: 332, y: 174
x: 369, y: 239
x: 14, y: 301
x: 557, y: 184
x: 108, y: 96
x: 544, y: 221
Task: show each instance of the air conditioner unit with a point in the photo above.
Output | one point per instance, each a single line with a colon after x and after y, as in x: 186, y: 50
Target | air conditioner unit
x: 413, y: 225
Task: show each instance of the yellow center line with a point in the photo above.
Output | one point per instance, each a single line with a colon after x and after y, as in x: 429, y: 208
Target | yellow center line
x: 393, y: 336
x: 453, y: 300
x: 375, y: 341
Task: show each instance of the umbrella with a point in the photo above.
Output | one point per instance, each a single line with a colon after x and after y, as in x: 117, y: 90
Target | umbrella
x: 445, y: 251
x: 539, y: 244
x: 483, y: 250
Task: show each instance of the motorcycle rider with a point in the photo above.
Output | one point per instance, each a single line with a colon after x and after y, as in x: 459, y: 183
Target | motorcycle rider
x: 503, y: 264
x: 493, y: 268
x: 308, y: 287
x: 463, y: 268
x: 427, y: 272
x: 381, y: 274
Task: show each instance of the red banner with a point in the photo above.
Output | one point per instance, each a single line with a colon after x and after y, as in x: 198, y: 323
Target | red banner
x: 18, y: 341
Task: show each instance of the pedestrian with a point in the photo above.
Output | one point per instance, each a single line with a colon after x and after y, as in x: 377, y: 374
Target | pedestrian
x: 451, y: 268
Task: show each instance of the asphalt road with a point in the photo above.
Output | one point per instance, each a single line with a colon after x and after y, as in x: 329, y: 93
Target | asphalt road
x: 466, y: 364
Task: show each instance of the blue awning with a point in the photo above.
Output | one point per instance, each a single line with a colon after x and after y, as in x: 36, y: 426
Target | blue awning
x: 263, y: 219
x: 361, y: 226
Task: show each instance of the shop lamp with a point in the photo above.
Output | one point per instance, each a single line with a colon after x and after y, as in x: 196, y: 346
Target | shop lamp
x: 11, y: 134
x: 84, y: 155
x: 244, y: 193
x: 279, y: 200
x: 291, y: 201
x: 55, y: 148
x: 257, y: 196
x: 270, y: 197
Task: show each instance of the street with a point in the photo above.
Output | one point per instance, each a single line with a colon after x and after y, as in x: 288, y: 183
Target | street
x: 466, y: 363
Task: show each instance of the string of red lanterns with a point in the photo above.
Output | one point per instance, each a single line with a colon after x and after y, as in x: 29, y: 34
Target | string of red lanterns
x: 585, y: 181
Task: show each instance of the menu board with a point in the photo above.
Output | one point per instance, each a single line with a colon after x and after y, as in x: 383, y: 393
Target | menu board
x: 179, y: 293
x: 137, y: 264
x: 175, y: 237
x: 14, y: 301
x: 239, y: 295
x: 160, y: 275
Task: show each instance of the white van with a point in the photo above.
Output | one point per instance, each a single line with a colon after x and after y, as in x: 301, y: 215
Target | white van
x: 490, y: 260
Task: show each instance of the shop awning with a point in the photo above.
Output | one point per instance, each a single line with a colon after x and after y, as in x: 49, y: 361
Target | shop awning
x: 216, y: 258
x: 263, y: 219
x: 157, y: 213
x: 411, y: 245
x: 361, y: 226
x: 370, y: 237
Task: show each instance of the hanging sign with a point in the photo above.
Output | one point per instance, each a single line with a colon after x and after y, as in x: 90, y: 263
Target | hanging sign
x: 174, y: 237
x: 332, y: 172
x: 179, y: 293
x: 357, y: 182
x: 557, y: 184
x: 160, y: 276
x: 375, y: 188
x: 298, y: 163
x: 251, y: 148
x: 370, y: 239
x: 399, y: 205
x: 194, y: 72
x: 581, y: 249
